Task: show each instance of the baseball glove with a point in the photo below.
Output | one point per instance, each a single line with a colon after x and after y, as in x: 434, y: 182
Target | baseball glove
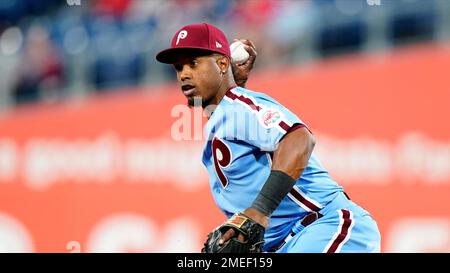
x: 252, y: 231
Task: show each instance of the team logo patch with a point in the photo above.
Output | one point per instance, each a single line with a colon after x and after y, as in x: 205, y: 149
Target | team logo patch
x: 183, y: 34
x: 270, y: 117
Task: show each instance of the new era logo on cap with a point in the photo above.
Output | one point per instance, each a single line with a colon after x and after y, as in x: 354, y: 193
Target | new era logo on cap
x: 196, y: 36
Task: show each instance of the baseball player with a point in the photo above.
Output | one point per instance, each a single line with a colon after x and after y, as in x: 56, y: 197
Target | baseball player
x: 263, y: 173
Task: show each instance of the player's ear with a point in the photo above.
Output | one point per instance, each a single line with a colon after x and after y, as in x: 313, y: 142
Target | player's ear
x: 223, y: 62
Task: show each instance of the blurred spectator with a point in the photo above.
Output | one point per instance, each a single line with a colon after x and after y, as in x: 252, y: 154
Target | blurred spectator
x: 110, y: 7
x: 13, y: 11
x: 414, y: 22
x: 118, y: 70
x: 41, y: 73
x: 256, y: 13
x: 288, y: 30
x: 343, y: 27
x: 115, y: 61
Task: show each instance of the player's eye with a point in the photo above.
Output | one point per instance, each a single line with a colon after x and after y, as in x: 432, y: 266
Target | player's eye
x: 194, y: 62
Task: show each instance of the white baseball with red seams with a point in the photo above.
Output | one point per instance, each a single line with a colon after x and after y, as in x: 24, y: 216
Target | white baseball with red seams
x: 238, y: 53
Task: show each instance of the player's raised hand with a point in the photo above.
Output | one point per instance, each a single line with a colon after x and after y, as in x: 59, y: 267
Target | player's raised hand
x: 242, y: 71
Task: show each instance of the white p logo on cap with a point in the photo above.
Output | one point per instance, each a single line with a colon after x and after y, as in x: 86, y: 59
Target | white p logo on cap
x: 181, y: 35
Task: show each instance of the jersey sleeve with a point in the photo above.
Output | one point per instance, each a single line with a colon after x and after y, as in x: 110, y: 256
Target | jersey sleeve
x: 261, y: 121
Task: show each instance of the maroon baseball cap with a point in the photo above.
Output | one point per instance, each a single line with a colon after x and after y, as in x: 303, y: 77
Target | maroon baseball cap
x: 196, y: 36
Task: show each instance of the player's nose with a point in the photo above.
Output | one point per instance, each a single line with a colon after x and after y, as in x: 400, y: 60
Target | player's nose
x: 185, y: 73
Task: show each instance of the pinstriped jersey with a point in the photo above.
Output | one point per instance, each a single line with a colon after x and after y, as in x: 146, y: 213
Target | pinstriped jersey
x: 242, y: 133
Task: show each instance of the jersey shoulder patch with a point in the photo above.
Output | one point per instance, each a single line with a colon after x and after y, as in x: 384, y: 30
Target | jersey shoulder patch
x: 270, y: 117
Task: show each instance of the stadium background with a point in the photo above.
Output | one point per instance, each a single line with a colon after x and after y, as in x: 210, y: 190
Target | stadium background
x: 87, y: 159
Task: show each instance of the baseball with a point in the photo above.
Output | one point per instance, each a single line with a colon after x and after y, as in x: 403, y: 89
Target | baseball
x: 238, y: 53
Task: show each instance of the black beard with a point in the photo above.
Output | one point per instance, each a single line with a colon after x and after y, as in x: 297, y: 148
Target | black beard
x: 198, y: 101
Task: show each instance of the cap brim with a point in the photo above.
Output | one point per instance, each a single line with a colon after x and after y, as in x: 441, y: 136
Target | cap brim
x: 171, y: 55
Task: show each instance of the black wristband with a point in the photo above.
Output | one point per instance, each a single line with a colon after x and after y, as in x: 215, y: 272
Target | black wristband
x: 277, y: 186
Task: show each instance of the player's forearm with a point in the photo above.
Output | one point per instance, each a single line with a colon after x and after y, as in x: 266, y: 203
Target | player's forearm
x: 290, y: 159
x: 293, y: 153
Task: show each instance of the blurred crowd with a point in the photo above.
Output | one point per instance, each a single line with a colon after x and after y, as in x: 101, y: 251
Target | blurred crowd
x: 56, y: 49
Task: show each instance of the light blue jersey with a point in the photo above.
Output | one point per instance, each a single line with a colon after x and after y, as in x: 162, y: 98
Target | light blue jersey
x: 242, y: 134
